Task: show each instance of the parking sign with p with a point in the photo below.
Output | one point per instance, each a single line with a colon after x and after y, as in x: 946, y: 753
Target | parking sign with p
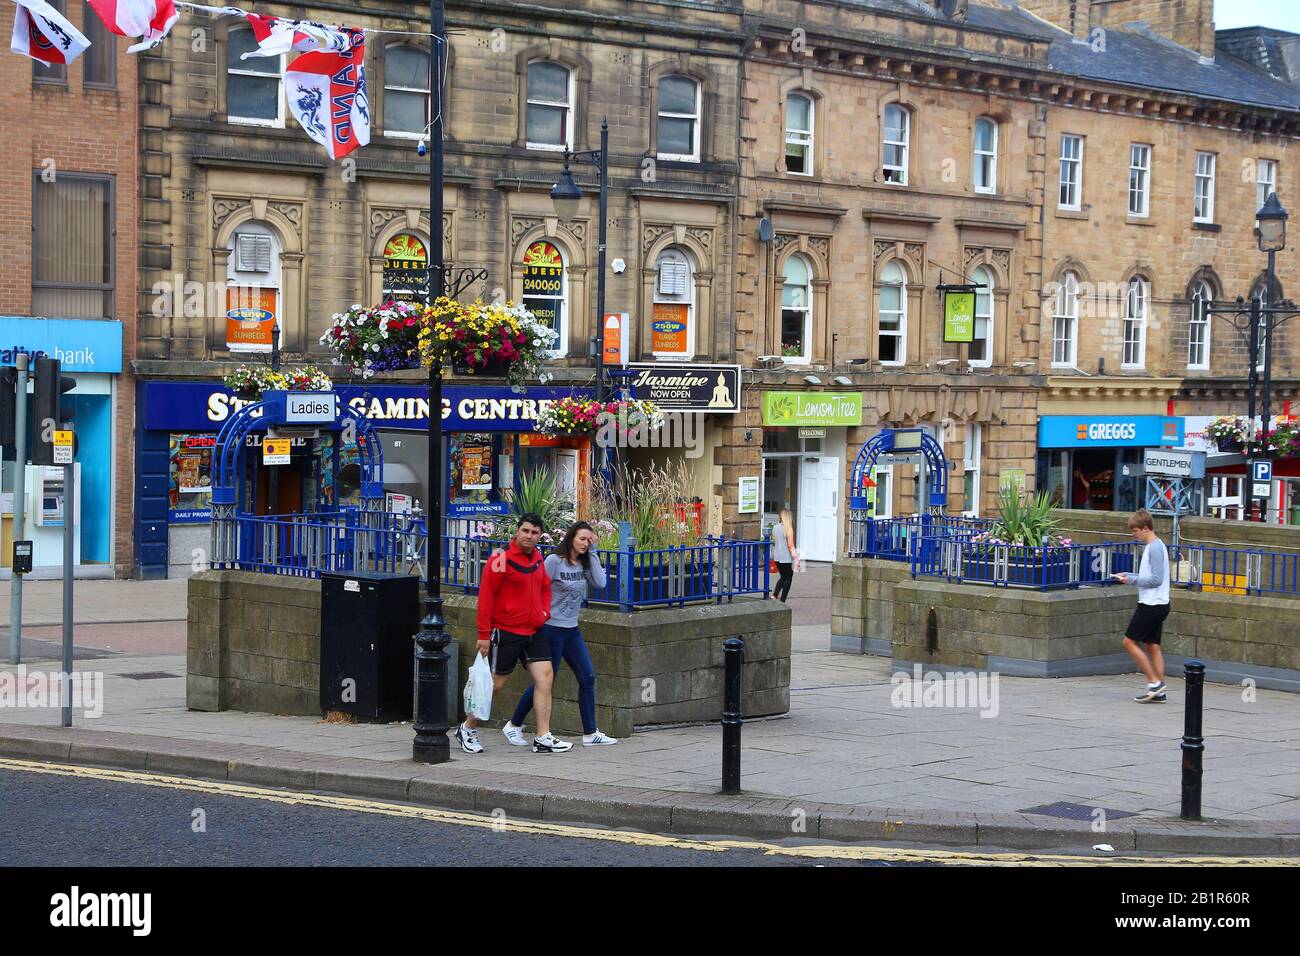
x: 1261, y: 479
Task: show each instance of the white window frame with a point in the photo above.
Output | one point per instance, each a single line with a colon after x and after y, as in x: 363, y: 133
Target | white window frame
x: 278, y: 122
x: 688, y: 299
x: 904, y: 143
x: 990, y: 187
x: 805, y: 357
x: 1066, y: 309
x: 696, y: 118
x: 1139, y: 180
x: 428, y: 99
x: 1202, y: 297
x: 569, y: 113
x: 901, y: 332
x: 971, y: 468
x: 1264, y: 184
x: 272, y: 278
x: 1137, y: 306
x: 988, y: 317
x: 1261, y: 295
x: 1203, y: 195
x: 563, y: 318
x: 1073, y: 182
x: 803, y: 138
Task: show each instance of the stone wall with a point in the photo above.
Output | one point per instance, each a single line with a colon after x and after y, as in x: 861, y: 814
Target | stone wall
x: 254, y: 645
x: 1088, y: 526
x: 1057, y: 633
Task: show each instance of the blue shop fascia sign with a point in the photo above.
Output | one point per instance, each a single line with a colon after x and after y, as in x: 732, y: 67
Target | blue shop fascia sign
x: 205, y: 406
x: 81, y: 345
x: 1109, y: 431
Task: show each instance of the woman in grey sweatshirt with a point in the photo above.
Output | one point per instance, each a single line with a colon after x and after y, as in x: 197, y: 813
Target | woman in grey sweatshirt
x: 572, y: 567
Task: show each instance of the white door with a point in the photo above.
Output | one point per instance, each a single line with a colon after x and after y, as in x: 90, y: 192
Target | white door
x: 566, y: 474
x: 819, y: 501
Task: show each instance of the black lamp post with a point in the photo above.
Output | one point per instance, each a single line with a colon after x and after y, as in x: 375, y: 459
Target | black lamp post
x: 431, y: 717
x: 1271, y: 233
x: 566, y: 195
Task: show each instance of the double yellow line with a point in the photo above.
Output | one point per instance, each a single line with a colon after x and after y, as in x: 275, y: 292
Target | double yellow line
x: 504, y: 823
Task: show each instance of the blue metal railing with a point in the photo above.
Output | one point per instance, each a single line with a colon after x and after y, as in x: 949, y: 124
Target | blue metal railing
x: 713, y: 570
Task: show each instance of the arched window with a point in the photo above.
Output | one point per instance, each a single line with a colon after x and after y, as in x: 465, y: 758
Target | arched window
x: 796, y: 310
x: 1260, y: 294
x: 986, y: 155
x: 893, y: 315
x: 253, y: 278
x: 253, y: 86
x: 897, y: 136
x: 679, y: 118
x: 1065, y: 322
x: 1135, y: 324
x: 1198, y: 327
x: 546, y: 289
x: 406, y: 91
x: 799, y: 134
x: 981, y: 348
x: 549, y: 121
x: 672, y: 328
x: 406, y: 268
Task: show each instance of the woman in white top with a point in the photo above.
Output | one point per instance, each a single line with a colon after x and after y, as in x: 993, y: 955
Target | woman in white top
x: 784, y: 554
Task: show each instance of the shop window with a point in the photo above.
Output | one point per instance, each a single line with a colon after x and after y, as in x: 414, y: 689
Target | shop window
x: 189, y: 491
x: 43, y: 72
x: 898, y: 123
x: 100, y: 58
x: 799, y: 109
x: 796, y: 311
x: 892, y: 343
x: 253, y: 279
x: 406, y: 91
x: 73, y: 247
x: 1198, y: 328
x: 546, y: 290
x: 1065, y: 322
x: 549, y: 120
x: 254, y: 86
x: 406, y: 268
x: 986, y: 155
x: 980, y: 351
x: 1136, y: 303
x: 473, y: 469
x: 673, y: 325
x: 679, y: 118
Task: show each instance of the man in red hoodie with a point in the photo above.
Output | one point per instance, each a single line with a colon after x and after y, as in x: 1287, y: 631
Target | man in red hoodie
x: 514, y: 601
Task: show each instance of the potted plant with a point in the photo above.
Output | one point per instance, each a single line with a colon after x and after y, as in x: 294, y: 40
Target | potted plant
x: 250, y: 381
x: 1028, y: 534
x: 382, y: 339
x: 485, y: 339
x: 586, y: 416
x: 1228, y: 432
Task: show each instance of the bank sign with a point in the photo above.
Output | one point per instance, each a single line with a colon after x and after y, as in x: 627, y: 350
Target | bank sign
x: 205, y: 406
x: 82, y: 345
x: 1112, y: 431
x: 687, y: 388
x: 812, y: 409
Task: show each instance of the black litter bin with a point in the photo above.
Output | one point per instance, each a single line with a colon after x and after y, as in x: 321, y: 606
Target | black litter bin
x: 367, y: 646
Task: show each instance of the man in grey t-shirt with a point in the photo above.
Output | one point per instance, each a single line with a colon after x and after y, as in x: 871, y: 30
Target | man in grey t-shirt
x: 1142, y: 637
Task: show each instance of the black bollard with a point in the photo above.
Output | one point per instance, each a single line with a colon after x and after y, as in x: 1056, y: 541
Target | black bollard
x: 733, y: 655
x: 1193, y: 742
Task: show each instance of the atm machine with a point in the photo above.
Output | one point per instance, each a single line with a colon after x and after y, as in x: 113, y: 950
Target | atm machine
x: 48, y: 509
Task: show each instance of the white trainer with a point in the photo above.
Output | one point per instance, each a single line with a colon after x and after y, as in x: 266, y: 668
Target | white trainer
x: 550, y: 744
x: 468, y: 740
x: 515, y: 734
x: 598, y: 739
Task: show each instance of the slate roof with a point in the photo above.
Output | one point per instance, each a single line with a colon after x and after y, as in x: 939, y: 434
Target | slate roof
x: 1134, y: 55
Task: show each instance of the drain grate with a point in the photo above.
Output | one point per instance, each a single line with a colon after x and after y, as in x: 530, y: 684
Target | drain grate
x: 1076, y: 811
x: 149, y: 675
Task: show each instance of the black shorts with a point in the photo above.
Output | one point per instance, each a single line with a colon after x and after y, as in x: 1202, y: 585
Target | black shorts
x: 1148, y: 622
x: 511, y: 648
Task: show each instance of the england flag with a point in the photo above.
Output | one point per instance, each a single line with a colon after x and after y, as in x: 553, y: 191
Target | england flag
x: 44, y: 34
x: 276, y: 35
x: 150, y: 20
x: 327, y: 95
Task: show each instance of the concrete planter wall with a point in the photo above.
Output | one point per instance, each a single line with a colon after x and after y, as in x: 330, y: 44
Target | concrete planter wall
x: 880, y: 609
x: 254, y: 645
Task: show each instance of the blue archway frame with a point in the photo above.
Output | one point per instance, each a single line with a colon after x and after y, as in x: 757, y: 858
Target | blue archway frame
x: 227, y: 456
x: 884, y: 444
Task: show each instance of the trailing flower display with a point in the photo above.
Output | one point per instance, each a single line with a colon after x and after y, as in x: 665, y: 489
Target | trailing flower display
x: 481, y: 336
x: 253, y: 380
x: 586, y: 416
x: 1227, y: 429
x: 383, y: 339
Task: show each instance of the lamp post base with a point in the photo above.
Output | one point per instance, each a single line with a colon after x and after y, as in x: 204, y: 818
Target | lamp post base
x: 431, y: 718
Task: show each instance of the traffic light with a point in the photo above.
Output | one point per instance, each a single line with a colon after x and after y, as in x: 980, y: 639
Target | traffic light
x: 50, y: 386
x: 8, y: 407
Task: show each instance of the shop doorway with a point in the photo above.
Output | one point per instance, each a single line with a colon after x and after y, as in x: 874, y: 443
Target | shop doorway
x: 818, y: 507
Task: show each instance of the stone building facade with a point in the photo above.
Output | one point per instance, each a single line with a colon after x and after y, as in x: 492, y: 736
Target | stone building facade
x: 68, y: 215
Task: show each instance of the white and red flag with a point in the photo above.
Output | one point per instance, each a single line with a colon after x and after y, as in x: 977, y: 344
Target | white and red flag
x: 327, y: 95
x: 147, y: 19
x: 277, y: 35
x: 44, y: 34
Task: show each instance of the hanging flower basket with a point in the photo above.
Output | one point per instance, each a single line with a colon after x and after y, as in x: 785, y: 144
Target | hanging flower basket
x: 382, y: 339
x: 250, y: 381
x: 483, y: 339
x: 494, y: 368
x: 586, y: 417
x: 1228, y: 432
